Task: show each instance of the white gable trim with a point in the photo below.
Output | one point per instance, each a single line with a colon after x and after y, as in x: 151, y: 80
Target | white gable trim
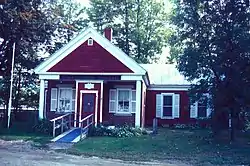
x: 80, y: 39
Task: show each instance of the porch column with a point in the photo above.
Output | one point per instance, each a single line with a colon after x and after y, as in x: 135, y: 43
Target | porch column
x: 41, y: 99
x: 138, y: 104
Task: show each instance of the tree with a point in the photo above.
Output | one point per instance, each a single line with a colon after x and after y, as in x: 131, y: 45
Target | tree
x: 213, y: 39
x: 70, y: 18
x: 26, y: 24
x: 139, y: 26
x: 38, y: 28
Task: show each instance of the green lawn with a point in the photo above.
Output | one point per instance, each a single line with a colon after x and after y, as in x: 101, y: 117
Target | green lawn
x: 195, y: 147
x: 20, y: 132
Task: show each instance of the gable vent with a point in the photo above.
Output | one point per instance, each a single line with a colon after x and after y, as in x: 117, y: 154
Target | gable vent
x: 90, y: 42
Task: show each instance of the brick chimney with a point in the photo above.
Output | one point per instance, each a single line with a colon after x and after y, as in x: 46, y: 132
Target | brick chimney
x: 108, y: 33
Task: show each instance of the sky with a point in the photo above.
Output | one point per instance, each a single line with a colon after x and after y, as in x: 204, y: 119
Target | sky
x: 84, y: 2
x: 165, y: 51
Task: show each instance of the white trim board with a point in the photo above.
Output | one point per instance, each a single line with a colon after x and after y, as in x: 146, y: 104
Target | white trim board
x: 96, y: 103
x: 169, y: 87
x: 80, y: 39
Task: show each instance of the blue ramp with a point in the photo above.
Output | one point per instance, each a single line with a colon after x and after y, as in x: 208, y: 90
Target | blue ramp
x: 70, y: 136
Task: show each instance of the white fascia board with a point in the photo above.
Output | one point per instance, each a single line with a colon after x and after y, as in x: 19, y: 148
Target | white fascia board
x: 169, y: 87
x: 146, y: 80
x: 72, y: 45
x: 49, y: 77
x: 81, y: 38
x: 131, y: 77
x: 62, y: 53
x: 76, y: 73
x: 118, y: 53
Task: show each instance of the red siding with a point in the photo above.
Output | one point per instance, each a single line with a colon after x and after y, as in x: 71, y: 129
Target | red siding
x: 184, y: 109
x: 90, y: 59
x: 111, y: 118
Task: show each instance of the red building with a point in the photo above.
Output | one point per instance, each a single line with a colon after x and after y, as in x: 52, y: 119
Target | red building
x: 90, y: 75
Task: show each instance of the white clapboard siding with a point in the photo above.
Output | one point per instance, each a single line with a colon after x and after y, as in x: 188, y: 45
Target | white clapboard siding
x: 158, y: 105
x: 194, y: 110
x: 112, y: 100
x: 53, y: 99
x: 176, y: 105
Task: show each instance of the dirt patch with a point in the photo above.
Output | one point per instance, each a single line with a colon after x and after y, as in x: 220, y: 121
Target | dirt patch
x: 23, y: 153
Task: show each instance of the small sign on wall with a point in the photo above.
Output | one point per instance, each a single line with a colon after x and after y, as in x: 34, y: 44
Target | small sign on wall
x: 89, y: 86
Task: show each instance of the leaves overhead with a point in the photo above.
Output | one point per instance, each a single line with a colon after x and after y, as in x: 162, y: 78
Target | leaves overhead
x: 213, y: 39
x: 139, y: 26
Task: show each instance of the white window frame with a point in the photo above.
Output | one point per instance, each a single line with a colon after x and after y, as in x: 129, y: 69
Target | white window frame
x: 130, y: 101
x: 196, y: 105
x: 117, y: 100
x: 90, y: 42
x: 71, y: 99
x: 173, y: 104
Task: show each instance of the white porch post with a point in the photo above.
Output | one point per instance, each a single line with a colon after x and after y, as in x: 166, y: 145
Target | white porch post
x: 41, y: 99
x: 138, y: 104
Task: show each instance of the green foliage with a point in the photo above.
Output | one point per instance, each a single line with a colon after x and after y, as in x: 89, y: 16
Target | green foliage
x: 37, y: 28
x: 212, y: 37
x: 123, y: 131
x: 43, y: 127
x: 69, y: 16
x: 139, y: 26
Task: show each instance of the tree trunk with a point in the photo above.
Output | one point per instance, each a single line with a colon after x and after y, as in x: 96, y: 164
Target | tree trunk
x: 232, y: 125
x: 17, y: 98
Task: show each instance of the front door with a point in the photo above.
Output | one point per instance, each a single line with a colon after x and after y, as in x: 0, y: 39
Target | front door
x: 88, y: 104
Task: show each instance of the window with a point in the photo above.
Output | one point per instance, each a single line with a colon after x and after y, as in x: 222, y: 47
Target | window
x: 63, y: 99
x: 90, y: 42
x: 202, y: 108
x: 167, y: 110
x: 122, y: 101
x: 167, y: 105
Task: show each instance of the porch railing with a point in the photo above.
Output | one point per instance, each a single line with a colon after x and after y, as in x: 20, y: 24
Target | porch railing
x: 62, y: 122
x: 89, y: 121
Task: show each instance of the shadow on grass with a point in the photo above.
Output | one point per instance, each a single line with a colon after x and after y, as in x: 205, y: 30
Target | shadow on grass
x: 192, y: 146
x: 20, y: 131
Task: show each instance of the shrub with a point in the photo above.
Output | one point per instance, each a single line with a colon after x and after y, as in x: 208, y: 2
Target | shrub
x: 122, y: 131
x: 43, y: 127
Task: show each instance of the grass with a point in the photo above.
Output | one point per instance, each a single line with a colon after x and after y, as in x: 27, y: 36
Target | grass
x: 20, y: 131
x: 196, y: 147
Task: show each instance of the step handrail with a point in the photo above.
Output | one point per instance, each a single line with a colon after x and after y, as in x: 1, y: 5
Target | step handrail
x: 87, y: 118
x: 62, y: 122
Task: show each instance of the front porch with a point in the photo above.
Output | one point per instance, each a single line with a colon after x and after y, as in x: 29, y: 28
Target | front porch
x: 113, y: 102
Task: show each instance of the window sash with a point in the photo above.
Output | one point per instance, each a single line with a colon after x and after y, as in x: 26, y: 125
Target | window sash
x: 125, y: 106
x: 202, y: 112
x: 66, y: 103
x: 163, y: 115
x: 122, y: 104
